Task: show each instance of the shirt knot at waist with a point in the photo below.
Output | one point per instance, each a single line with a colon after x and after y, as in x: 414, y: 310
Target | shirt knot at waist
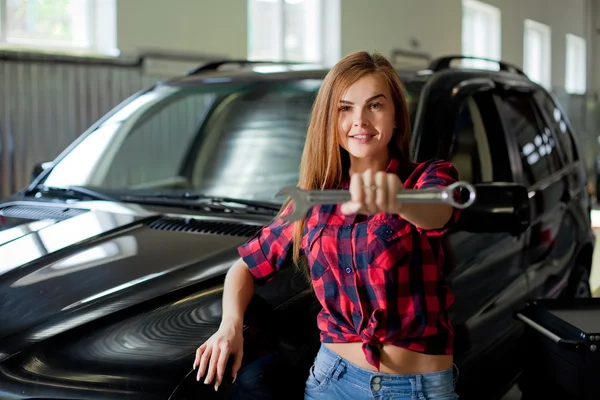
x: 371, y: 344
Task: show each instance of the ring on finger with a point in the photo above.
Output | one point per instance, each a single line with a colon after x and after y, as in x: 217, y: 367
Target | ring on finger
x: 371, y: 187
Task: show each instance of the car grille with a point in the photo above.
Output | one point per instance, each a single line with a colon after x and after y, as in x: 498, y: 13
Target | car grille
x: 191, y: 225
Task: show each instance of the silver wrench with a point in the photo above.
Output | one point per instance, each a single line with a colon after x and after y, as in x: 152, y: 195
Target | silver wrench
x: 304, y: 199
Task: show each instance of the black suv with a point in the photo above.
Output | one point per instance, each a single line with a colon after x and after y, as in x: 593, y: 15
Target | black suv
x: 112, y: 260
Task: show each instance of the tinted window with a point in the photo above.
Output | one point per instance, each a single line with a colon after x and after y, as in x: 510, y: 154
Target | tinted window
x: 413, y: 95
x: 470, y: 152
x: 522, y: 121
x: 558, y: 124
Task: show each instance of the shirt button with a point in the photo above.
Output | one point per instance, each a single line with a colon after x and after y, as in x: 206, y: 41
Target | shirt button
x: 348, y: 270
x: 377, y: 379
x: 376, y: 387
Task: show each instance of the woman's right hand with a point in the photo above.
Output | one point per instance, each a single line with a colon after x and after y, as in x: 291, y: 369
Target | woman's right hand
x: 227, y: 341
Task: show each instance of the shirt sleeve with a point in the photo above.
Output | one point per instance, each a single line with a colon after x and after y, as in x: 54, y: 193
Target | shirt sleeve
x: 268, y: 250
x: 437, y: 175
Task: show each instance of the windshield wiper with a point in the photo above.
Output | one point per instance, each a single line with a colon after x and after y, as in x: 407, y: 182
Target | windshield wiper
x: 265, y: 205
x: 192, y: 199
x: 67, y: 193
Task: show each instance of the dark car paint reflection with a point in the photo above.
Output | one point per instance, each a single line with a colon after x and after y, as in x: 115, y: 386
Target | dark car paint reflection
x: 14, y: 228
x: 109, y: 251
x: 129, y: 265
x: 51, y: 236
x: 102, y: 259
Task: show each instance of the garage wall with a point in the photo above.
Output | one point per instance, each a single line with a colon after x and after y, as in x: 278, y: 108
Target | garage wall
x: 385, y: 25
x: 436, y: 25
x: 215, y: 27
x: 559, y: 16
x: 57, y: 99
x: 218, y: 28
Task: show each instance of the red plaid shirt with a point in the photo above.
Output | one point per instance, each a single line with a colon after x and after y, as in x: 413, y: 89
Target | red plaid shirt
x: 378, y: 278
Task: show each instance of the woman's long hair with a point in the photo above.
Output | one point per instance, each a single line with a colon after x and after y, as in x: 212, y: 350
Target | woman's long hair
x: 325, y: 163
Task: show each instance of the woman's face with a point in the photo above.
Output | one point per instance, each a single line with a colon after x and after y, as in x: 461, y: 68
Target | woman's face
x: 367, y: 118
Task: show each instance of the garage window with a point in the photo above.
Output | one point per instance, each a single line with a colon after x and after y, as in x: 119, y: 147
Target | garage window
x: 293, y: 30
x: 576, y: 65
x: 480, y: 33
x: 59, y: 25
x: 536, y: 52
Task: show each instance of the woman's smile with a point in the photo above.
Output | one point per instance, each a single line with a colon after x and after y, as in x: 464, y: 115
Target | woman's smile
x: 363, y: 138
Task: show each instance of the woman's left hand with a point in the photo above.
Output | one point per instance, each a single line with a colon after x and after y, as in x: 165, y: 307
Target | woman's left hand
x: 373, y: 192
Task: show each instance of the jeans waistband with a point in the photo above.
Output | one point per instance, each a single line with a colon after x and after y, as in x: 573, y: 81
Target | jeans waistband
x: 331, y: 370
x: 333, y: 362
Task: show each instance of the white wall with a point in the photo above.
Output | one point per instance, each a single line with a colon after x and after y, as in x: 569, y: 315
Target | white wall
x: 385, y: 25
x: 561, y: 16
x: 218, y: 27
x: 214, y: 27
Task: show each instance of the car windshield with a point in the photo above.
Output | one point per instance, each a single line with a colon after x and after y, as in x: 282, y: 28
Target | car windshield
x: 236, y: 140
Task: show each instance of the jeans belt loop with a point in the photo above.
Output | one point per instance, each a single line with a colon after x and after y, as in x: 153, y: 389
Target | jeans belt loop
x: 339, y: 368
x: 418, y: 383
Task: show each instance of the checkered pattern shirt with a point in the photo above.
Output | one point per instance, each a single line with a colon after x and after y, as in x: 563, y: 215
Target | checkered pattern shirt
x: 380, y: 279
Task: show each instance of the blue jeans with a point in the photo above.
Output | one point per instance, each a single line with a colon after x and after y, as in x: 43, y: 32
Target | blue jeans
x: 332, y: 377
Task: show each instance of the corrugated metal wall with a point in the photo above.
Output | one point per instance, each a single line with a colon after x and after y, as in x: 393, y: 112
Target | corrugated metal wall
x: 47, y: 102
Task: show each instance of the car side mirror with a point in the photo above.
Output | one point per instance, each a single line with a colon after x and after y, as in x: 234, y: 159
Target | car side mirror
x: 498, y: 207
x: 39, y: 168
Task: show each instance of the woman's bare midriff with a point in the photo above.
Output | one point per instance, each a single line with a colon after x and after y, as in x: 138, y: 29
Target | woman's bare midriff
x: 394, y: 359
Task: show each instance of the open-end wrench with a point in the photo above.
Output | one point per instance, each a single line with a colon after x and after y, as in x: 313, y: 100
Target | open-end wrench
x: 304, y: 199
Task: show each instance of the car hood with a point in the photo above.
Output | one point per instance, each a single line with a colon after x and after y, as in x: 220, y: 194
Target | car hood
x: 62, y: 266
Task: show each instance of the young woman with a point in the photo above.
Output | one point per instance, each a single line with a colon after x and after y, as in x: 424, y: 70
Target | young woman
x: 376, y: 265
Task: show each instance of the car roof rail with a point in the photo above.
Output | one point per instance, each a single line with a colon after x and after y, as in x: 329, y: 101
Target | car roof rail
x: 214, y: 65
x: 442, y: 63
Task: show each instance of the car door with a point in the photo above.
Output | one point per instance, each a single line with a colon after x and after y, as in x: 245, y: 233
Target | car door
x: 550, y: 238
x: 487, y: 279
x: 575, y: 223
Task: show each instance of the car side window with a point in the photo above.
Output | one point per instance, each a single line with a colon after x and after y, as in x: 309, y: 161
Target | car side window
x: 557, y: 122
x: 521, y: 119
x: 470, y: 152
